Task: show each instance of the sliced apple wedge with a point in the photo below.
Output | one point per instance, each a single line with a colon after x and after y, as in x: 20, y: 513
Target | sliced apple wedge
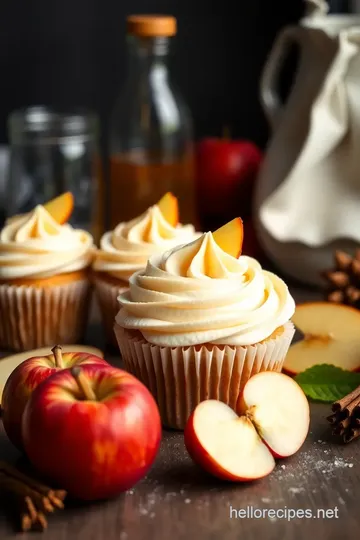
x: 230, y: 237
x: 61, y: 207
x: 331, y: 336
x: 226, y: 445
x: 169, y: 207
x: 279, y: 410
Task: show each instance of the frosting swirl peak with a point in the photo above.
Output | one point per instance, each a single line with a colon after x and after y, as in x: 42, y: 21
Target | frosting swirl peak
x: 197, y: 293
x: 35, y: 246
x: 128, y: 247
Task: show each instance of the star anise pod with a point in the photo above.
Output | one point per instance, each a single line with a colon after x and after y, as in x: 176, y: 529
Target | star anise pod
x: 343, y: 280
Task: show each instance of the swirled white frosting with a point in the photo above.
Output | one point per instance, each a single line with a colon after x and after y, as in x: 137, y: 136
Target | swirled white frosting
x: 128, y: 247
x: 35, y: 246
x: 197, y: 293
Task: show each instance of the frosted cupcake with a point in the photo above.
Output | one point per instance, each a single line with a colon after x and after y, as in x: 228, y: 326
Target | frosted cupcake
x: 44, y: 285
x: 198, y: 322
x: 128, y: 247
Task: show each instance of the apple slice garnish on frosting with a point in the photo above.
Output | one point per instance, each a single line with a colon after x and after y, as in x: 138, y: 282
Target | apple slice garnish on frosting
x: 60, y: 208
x: 230, y: 237
x: 169, y: 207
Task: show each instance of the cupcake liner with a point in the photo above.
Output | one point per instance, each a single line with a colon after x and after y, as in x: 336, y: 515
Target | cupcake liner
x: 180, y: 378
x: 106, y: 294
x: 33, y: 317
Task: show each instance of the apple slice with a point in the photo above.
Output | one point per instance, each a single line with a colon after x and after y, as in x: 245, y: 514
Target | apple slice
x: 230, y: 237
x: 279, y: 410
x: 225, y: 444
x: 61, y: 207
x: 331, y: 336
x: 9, y: 363
x: 169, y: 207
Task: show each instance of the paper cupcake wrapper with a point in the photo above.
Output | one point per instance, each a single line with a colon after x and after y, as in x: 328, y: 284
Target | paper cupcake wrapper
x: 33, y: 317
x: 180, y: 378
x: 106, y: 294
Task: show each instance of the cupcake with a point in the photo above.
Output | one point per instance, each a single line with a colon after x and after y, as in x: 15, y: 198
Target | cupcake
x: 128, y: 247
x: 44, y: 285
x: 200, y: 320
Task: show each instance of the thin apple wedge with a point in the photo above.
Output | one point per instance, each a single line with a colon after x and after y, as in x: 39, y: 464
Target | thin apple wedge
x: 226, y: 445
x: 230, y: 237
x: 279, y: 410
x: 61, y: 207
x: 331, y: 336
x: 169, y: 207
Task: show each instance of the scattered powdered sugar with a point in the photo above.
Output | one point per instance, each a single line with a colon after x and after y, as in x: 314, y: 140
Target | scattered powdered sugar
x: 283, y: 466
x: 296, y: 490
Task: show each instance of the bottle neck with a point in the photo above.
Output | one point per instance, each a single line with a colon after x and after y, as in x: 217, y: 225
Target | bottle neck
x: 147, y: 52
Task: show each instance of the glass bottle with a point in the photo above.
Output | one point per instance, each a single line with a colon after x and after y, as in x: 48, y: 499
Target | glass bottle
x: 151, y: 140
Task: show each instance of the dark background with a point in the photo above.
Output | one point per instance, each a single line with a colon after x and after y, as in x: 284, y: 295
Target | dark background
x: 67, y: 53
x: 72, y: 53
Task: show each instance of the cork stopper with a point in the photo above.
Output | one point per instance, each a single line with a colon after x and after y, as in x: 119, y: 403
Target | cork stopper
x: 151, y: 25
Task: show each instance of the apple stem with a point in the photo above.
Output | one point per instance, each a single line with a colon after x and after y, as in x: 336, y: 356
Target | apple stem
x: 58, y: 356
x: 83, y: 384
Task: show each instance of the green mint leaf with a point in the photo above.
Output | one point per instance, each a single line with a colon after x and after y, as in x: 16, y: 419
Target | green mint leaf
x: 327, y: 383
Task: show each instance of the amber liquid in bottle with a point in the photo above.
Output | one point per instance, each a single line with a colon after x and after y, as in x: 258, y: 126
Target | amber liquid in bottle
x: 134, y: 186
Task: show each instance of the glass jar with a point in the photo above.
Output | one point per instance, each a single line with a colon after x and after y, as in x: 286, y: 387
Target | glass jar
x: 51, y: 153
x: 151, y: 139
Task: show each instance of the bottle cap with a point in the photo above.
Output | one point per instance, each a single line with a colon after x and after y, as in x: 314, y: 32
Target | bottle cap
x: 151, y: 25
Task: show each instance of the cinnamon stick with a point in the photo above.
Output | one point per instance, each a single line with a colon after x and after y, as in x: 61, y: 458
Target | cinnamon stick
x: 41, y: 523
x: 351, y: 435
x: 31, y: 509
x: 345, y: 418
x: 348, y: 402
x: 15, y: 486
x: 57, y: 495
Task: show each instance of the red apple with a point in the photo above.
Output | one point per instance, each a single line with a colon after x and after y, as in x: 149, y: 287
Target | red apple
x: 27, y: 376
x: 226, y: 170
x: 95, y: 432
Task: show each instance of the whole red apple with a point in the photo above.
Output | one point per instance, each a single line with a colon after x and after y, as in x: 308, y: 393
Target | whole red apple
x: 27, y: 376
x: 226, y: 170
x: 95, y: 432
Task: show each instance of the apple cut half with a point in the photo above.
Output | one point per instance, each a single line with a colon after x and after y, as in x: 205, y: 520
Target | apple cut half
x: 226, y: 445
x: 169, y: 207
x: 331, y: 336
x: 279, y: 410
x: 230, y: 237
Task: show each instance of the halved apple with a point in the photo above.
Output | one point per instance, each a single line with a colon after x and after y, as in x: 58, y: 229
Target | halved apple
x: 274, y: 423
x: 331, y: 336
x: 169, y: 207
x: 226, y: 445
x: 230, y: 237
x: 279, y: 410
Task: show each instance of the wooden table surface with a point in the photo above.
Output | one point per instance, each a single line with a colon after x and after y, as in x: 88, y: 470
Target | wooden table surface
x: 178, y: 501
